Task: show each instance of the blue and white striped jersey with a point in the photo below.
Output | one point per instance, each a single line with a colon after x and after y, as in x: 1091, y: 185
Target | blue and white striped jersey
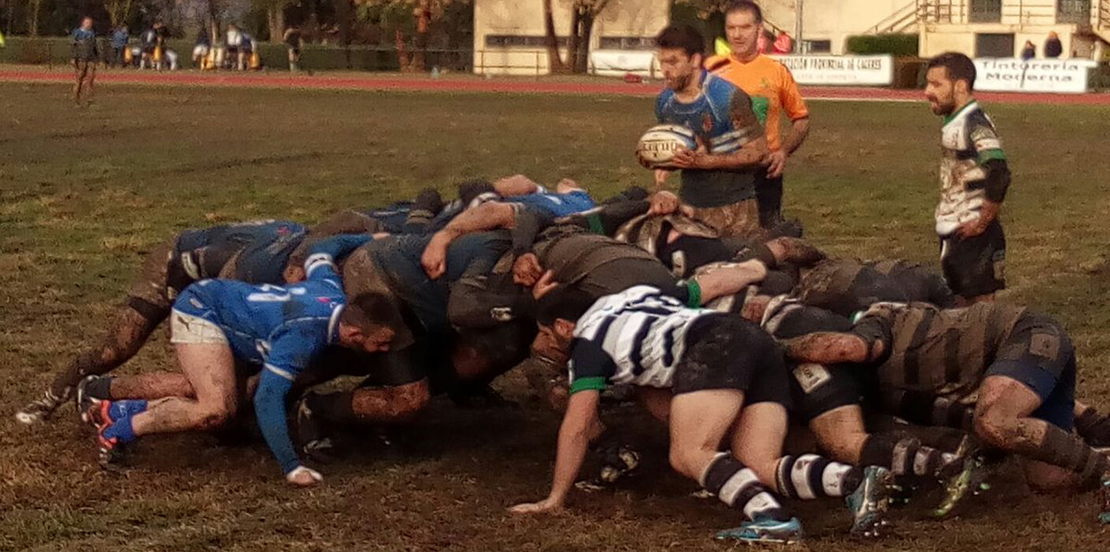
x: 634, y: 337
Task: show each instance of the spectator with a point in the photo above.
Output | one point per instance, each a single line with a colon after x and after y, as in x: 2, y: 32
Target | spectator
x: 119, y: 45
x: 149, y: 42
x: 201, y: 49
x: 294, y: 42
x: 784, y: 44
x: 1029, y: 52
x: 234, y: 41
x: 1052, y: 47
x: 246, y: 51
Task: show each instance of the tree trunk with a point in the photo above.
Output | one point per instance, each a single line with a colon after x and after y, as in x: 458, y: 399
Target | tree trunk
x: 402, y: 56
x: 33, y: 7
x: 554, y: 62
x: 582, y: 61
x: 574, y: 40
x: 275, y: 16
x: 423, y: 15
x: 343, y: 14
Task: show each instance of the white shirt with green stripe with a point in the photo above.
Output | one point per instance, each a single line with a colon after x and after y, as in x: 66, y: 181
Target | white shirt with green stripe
x: 968, y: 142
x: 634, y: 337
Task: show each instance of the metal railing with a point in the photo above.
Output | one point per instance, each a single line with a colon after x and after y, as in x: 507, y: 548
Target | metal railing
x: 1104, y: 14
x: 920, y: 11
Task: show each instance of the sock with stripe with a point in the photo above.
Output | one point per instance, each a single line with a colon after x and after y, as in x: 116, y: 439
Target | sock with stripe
x: 811, y: 476
x: 738, y: 487
x: 903, y: 454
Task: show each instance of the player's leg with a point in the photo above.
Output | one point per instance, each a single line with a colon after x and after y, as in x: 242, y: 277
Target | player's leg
x: 207, y: 361
x: 147, y: 306
x: 90, y: 79
x: 758, y: 440
x: 1004, y: 418
x: 975, y: 267
x: 699, y: 422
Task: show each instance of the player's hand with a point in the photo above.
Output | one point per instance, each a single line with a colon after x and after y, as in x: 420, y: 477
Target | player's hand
x: 663, y: 203
x: 660, y: 177
x: 777, y: 160
x: 434, y: 258
x: 546, y: 284
x: 987, y: 213
x: 527, y: 270
x: 293, y: 274
x: 544, y: 506
x: 685, y: 158
x: 304, y: 477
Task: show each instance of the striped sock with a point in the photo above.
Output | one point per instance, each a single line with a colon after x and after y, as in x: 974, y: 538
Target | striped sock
x: 903, y: 454
x: 739, y: 487
x: 810, y: 476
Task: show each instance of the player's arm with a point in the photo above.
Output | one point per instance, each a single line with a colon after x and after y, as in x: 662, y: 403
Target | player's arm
x: 574, y: 439
x: 867, y: 343
x: 290, y: 352
x: 515, y: 185
x: 320, y: 264
x: 795, y: 107
x: 996, y: 177
x: 488, y: 216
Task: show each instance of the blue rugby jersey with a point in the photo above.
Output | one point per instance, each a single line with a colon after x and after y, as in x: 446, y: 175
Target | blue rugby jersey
x: 280, y: 327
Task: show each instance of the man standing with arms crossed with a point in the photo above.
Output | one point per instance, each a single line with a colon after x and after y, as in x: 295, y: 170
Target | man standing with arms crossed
x: 974, y: 178
x: 773, y: 92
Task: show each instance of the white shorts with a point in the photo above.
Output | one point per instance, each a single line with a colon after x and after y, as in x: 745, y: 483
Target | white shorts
x: 186, y: 328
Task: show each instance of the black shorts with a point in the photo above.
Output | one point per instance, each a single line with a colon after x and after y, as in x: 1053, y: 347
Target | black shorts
x: 1039, y: 354
x: 727, y: 352
x: 819, y: 389
x: 975, y: 266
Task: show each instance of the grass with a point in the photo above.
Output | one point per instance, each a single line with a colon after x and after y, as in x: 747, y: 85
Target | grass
x: 84, y: 193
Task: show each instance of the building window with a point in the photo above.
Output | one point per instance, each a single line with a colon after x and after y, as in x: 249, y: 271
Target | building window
x: 986, y: 11
x: 520, y: 41
x: 989, y: 45
x: 818, y: 46
x: 1073, y: 11
x: 627, y: 43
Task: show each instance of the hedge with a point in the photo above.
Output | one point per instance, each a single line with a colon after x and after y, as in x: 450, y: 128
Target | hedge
x: 894, y: 44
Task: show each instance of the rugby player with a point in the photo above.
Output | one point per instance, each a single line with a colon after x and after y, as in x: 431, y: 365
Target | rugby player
x: 86, y: 54
x: 277, y: 329
x: 256, y: 252
x: 719, y: 177
x: 974, y: 177
x: 1016, y: 365
x: 730, y: 385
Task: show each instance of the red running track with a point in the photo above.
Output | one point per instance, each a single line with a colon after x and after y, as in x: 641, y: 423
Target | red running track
x: 466, y: 83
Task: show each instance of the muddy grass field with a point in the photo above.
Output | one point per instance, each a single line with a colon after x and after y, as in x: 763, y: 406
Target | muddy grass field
x: 85, y: 193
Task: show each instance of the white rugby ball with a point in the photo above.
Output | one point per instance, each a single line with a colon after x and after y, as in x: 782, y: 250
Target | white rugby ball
x: 658, y: 145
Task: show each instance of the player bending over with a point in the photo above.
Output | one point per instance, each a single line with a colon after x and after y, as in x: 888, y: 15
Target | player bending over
x: 730, y: 386
x: 279, y: 329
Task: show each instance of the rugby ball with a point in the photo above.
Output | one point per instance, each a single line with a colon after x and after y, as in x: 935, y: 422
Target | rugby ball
x: 658, y: 145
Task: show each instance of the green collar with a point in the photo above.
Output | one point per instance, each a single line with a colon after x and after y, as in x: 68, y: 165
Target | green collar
x: 966, y: 106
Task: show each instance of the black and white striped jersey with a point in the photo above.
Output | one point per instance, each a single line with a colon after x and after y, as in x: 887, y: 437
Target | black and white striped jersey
x: 634, y: 337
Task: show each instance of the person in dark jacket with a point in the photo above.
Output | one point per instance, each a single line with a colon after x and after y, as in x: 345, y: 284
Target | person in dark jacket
x: 86, y: 53
x: 1029, y: 51
x: 1052, y: 47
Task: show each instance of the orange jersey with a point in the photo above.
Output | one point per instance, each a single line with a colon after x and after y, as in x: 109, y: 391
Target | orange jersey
x: 771, y: 87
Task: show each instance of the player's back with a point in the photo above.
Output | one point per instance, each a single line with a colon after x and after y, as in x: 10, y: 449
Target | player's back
x: 557, y: 204
x: 251, y: 314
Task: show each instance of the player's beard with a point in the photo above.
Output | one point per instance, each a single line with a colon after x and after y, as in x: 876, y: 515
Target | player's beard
x: 679, y: 83
x: 940, y: 108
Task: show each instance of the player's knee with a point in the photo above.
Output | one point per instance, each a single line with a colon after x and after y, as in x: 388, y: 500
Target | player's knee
x: 412, y: 398
x: 680, y: 463
x: 215, y: 416
x: 994, y: 427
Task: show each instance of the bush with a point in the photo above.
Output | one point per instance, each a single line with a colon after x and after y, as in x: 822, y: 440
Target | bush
x: 895, y: 44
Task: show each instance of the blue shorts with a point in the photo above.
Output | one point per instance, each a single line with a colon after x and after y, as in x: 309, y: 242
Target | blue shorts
x: 1039, y: 354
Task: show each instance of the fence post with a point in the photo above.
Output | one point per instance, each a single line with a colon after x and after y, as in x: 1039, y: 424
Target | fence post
x: 537, y: 66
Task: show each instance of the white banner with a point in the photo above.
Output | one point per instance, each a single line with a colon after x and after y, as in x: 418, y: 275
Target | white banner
x: 847, y: 70
x: 1036, y: 75
x: 617, y: 63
